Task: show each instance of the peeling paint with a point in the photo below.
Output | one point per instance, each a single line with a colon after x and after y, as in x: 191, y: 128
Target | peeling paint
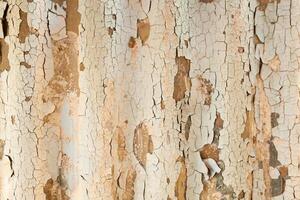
x: 24, y: 29
x: 142, y: 143
x: 129, y: 186
x: 182, y: 81
x: 206, y: 89
x: 143, y: 29
x: 55, y: 190
x: 181, y: 183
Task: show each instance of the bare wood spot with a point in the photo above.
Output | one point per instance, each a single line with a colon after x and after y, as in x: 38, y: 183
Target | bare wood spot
x: 73, y: 16
x: 249, y: 126
x: 59, y: 2
x: 263, y: 4
x: 209, y: 151
x: 181, y: 183
x: 187, y: 127
x: 55, y: 190
x: 82, y: 67
x: 132, y: 42
x: 24, y: 29
x: 142, y: 143
x: 274, y: 118
x: 284, y: 171
x: 121, y: 144
x: 129, y: 185
x: 182, y: 81
x: 274, y: 162
x: 2, y: 144
x: 206, y: 89
x: 4, y: 62
x: 143, y: 29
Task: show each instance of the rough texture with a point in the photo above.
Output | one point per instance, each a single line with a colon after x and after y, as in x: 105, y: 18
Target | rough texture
x: 144, y: 99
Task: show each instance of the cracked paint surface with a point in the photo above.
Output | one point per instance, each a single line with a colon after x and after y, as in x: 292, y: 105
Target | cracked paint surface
x: 149, y: 99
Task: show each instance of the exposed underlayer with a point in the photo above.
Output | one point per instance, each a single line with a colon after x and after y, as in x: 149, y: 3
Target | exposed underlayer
x: 149, y: 99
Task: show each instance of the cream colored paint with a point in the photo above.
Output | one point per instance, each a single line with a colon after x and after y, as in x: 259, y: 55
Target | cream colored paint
x: 151, y: 99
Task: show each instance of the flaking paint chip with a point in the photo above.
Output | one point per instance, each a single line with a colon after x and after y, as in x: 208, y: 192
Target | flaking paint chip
x: 143, y: 29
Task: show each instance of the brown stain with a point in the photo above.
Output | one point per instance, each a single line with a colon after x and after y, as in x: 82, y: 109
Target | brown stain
x: 66, y: 74
x: 249, y: 125
x: 181, y: 183
x: 264, y: 142
x: 2, y: 144
x: 122, y: 153
x: 4, y: 62
x: 13, y: 119
x: 209, y: 191
x: 25, y: 64
x: 59, y: 2
x: 206, y: 89
x: 274, y: 118
x: 206, y: 1
x: 129, y: 185
x: 273, y: 161
x: 131, y: 42
x: 142, y: 143
x: 215, y: 189
x: 182, y: 81
x: 263, y: 4
x: 55, y: 190
x: 278, y: 185
x: 143, y: 29
x: 187, y: 127
x: 81, y: 67
x: 209, y: 151
x: 111, y: 31
x: 73, y: 16
x: 218, y: 126
x: 24, y: 29
x: 241, y: 195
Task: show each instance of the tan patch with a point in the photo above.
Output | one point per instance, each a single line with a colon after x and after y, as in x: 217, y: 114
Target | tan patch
x: 2, y: 144
x: 187, y: 127
x: 209, y: 151
x: 206, y: 89
x: 4, y: 62
x: 66, y: 75
x: 263, y: 4
x: 55, y: 190
x: 209, y: 191
x: 24, y: 29
x: 82, y: 67
x: 121, y: 144
x: 59, y: 2
x: 142, y: 143
x: 129, y: 185
x: 181, y: 183
x: 73, y: 16
x: 249, y: 125
x: 284, y: 171
x: 182, y: 81
x: 143, y: 29
x: 131, y: 42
